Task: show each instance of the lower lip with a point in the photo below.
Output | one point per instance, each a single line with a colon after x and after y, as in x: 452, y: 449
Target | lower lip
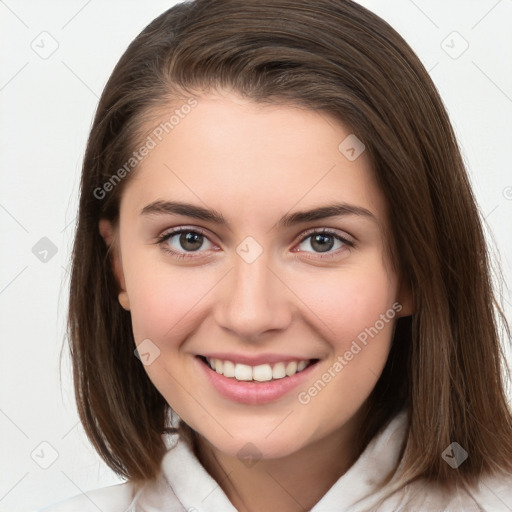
x: 254, y: 393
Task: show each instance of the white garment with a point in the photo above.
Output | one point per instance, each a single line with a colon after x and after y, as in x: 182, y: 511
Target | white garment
x: 185, y: 486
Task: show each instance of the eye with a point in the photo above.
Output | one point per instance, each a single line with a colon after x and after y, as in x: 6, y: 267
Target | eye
x: 324, y: 241
x: 181, y: 241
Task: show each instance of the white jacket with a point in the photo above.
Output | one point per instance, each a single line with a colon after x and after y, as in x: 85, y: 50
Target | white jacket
x: 184, y: 486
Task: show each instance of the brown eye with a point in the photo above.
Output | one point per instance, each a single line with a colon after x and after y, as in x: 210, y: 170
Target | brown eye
x: 321, y: 242
x: 182, y: 241
x: 324, y: 242
x: 190, y: 240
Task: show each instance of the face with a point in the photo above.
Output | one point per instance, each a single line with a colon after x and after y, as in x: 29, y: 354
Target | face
x: 237, y: 277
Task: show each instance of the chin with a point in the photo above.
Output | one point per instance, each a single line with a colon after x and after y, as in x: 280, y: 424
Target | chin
x: 257, y: 443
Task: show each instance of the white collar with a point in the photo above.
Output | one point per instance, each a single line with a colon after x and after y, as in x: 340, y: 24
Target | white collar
x: 196, y: 490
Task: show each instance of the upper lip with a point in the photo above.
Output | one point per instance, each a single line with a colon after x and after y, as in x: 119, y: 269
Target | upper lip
x: 255, y: 360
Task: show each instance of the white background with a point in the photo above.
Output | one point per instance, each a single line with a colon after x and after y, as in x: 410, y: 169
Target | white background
x: 46, y: 109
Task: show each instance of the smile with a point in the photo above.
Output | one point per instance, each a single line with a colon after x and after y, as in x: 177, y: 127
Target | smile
x: 259, y: 373
x: 256, y: 384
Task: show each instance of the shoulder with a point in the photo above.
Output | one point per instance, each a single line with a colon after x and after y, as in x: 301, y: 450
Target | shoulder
x: 115, y: 498
x: 490, y: 493
x: 493, y: 492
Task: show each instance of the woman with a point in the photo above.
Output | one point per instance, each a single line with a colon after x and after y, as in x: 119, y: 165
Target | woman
x: 276, y: 217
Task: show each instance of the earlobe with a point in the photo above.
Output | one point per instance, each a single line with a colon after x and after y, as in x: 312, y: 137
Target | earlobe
x: 108, y: 233
x: 124, y: 300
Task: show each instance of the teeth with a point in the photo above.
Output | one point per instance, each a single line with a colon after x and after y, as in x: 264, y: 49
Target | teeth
x: 291, y: 368
x: 301, y: 365
x: 260, y: 373
x: 229, y: 369
x: 242, y: 371
x: 279, y: 371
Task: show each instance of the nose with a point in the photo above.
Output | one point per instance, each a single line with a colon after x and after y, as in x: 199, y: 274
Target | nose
x: 253, y: 300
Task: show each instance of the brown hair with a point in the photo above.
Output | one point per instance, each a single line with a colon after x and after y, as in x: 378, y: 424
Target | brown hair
x: 446, y: 364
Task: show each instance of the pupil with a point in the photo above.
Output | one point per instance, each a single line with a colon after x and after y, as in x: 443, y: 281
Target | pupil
x: 324, y: 242
x: 191, y: 238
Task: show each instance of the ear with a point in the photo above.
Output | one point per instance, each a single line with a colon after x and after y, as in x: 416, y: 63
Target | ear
x: 109, y: 235
x: 405, y: 299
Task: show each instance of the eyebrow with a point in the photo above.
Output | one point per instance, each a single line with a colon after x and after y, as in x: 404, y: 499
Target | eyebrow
x: 290, y: 219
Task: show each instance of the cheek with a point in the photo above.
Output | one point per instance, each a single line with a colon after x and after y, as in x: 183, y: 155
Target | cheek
x: 164, y: 305
x: 164, y: 300
x: 360, y: 317
x: 346, y: 303
x: 354, y: 314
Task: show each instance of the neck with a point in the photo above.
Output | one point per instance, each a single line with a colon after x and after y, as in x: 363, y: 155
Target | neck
x: 289, y: 484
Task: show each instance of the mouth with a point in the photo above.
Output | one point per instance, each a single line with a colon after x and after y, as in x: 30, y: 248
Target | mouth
x: 260, y: 373
x: 267, y: 380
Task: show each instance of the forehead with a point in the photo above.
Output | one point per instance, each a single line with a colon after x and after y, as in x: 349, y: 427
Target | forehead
x: 249, y: 159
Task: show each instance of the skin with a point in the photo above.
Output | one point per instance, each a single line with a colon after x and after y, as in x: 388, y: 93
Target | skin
x: 254, y: 163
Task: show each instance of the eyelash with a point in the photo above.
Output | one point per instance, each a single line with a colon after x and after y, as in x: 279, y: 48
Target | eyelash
x: 184, y: 255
